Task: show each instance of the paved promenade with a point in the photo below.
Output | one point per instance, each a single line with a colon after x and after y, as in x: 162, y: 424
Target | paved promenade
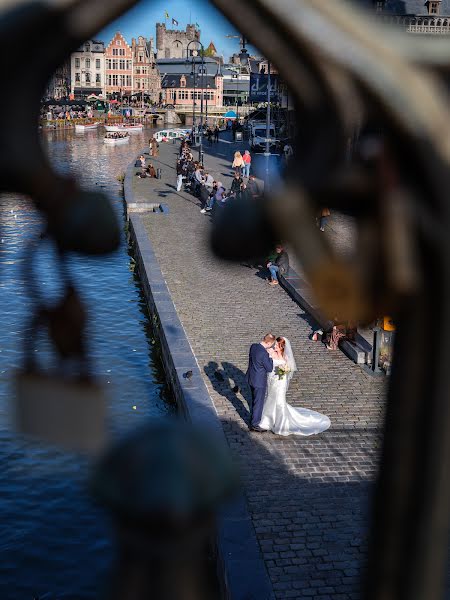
x: 308, y: 497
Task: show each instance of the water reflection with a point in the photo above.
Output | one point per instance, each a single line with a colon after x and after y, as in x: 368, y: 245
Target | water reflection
x: 52, y: 540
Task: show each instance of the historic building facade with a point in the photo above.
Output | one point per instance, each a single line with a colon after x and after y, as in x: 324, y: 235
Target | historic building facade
x: 146, y: 77
x: 118, y: 67
x: 87, y: 66
x: 183, y: 90
x: 415, y: 16
x: 59, y: 84
x: 171, y: 43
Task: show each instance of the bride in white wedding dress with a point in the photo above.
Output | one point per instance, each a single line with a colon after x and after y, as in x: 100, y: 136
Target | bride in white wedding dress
x: 279, y: 416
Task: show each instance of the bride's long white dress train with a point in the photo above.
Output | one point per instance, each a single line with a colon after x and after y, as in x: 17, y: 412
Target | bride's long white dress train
x: 284, y: 419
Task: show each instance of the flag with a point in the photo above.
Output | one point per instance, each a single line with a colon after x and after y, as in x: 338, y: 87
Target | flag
x: 166, y: 14
x: 174, y: 22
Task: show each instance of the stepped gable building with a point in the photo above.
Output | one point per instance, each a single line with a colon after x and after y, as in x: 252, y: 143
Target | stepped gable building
x: 88, y: 70
x: 171, y: 43
x: 146, y: 77
x: 58, y: 86
x: 118, y: 67
x: 414, y: 16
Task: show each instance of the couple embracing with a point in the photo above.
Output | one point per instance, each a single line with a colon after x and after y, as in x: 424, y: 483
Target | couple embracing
x: 270, y: 369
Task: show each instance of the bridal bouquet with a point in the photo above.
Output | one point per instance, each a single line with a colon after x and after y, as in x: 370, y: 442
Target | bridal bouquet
x: 282, y: 371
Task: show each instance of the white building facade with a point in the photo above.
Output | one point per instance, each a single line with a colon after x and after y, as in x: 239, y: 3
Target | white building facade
x: 88, y: 70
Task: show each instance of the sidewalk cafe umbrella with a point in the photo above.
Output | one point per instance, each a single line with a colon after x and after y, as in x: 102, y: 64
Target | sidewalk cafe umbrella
x: 230, y: 115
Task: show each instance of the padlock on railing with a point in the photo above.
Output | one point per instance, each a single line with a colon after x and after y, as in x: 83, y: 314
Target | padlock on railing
x: 60, y: 411
x: 53, y: 406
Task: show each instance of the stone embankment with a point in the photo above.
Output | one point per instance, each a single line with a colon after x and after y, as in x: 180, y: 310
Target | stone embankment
x: 305, y: 512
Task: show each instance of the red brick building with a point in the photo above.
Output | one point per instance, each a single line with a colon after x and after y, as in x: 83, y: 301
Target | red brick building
x: 118, y: 67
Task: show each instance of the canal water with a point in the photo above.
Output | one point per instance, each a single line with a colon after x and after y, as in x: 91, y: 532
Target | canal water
x: 54, y: 543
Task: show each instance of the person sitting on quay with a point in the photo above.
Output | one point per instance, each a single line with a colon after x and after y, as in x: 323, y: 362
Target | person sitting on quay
x: 278, y: 266
x: 215, y: 198
x: 181, y: 173
x: 142, y: 161
x: 151, y: 172
x: 254, y: 188
x: 209, y: 181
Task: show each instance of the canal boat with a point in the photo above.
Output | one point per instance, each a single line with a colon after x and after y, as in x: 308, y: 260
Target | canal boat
x: 166, y: 135
x: 81, y: 128
x: 114, y: 138
x: 125, y: 127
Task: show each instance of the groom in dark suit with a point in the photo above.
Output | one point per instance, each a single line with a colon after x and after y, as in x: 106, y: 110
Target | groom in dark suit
x: 259, y: 365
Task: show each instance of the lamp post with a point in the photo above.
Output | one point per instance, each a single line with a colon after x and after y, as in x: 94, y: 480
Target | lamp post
x: 267, y: 152
x: 202, y: 83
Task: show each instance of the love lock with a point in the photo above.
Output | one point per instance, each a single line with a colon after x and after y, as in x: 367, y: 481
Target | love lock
x: 56, y: 407
x: 55, y: 410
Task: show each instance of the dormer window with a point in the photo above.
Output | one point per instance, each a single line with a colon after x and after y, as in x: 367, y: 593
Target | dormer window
x: 434, y: 7
x: 182, y: 81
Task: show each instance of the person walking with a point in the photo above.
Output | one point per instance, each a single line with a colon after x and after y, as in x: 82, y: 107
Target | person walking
x: 236, y: 183
x: 216, y: 133
x: 247, y: 163
x: 153, y: 147
x: 180, y: 171
x: 238, y: 163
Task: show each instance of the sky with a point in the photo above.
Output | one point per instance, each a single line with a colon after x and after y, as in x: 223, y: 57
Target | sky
x: 141, y: 20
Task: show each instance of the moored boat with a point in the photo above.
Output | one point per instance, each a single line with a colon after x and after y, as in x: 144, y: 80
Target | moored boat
x: 81, y: 127
x: 125, y: 127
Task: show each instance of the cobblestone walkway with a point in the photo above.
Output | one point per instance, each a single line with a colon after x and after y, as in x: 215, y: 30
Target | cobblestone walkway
x: 308, y: 497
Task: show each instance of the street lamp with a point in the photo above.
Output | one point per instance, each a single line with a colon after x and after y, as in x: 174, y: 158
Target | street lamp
x: 202, y: 80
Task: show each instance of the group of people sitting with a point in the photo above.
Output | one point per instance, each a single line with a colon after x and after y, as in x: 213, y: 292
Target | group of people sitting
x: 211, y: 192
x: 116, y: 135
x: 146, y: 170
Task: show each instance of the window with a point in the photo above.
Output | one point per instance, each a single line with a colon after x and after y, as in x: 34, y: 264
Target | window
x: 128, y: 84
x: 88, y: 63
x: 128, y: 65
x: 115, y: 52
x: 77, y: 77
x: 115, y: 80
x: 77, y: 63
x: 122, y: 52
x: 98, y: 79
x: 433, y: 8
x: 118, y: 43
x: 88, y: 78
x: 122, y: 64
x: 379, y: 5
x: 114, y: 64
x: 138, y: 71
x: 97, y: 63
x: 138, y: 85
x: 86, y: 47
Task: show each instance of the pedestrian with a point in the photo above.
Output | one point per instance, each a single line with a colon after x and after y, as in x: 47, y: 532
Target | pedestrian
x: 323, y: 218
x: 142, y: 161
x: 247, y: 163
x: 279, y: 266
x: 216, y: 133
x: 236, y: 183
x: 238, y: 162
x: 209, y: 135
x: 154, y: 147
x: 179, y: 175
